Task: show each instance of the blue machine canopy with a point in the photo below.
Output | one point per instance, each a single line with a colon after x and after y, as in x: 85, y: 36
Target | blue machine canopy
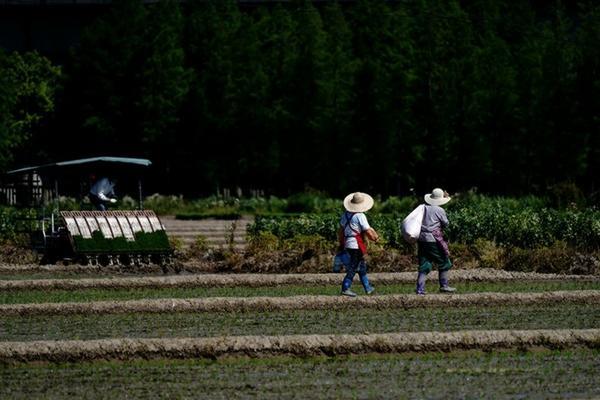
x: 94, y: 162
x: 75, y: 177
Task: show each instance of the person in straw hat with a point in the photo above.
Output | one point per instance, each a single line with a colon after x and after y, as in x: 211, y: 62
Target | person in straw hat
x: 432, y: 247
x: 354, y: 227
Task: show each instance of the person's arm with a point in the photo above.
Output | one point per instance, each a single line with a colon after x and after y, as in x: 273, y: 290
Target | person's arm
x: 372, y: 234
x: 103, y: 197
x: 443, y: 218
x: 341, y: 238
x: 366, y: 229
x: 109, y: 191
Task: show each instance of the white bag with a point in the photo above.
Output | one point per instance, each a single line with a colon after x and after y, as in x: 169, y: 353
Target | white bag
x: 411, y: 226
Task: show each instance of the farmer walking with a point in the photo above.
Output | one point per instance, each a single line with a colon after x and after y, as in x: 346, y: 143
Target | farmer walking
x: 432, y: 247
x: 353, y: 225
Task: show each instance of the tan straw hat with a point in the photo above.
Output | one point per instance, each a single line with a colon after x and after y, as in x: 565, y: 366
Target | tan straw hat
x: 437, y: 197
x: 358, y: 202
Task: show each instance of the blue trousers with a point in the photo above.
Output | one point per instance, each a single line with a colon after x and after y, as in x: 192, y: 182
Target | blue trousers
x: 357, y: 264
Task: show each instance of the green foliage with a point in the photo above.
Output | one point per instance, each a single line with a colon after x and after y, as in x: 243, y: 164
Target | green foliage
x: 15, y: 221
x: 396, y: 205
x: 307, y: 202
x: 554, y: 258
x: 67, y: 204
x: 128, y: 80
x: 315, y: 244
x: 144, y: 242
x: 29, y: 84
x: 127, y: 203
x: 373, y: 95
x: 164, y: 205
x: 213, y: 205
x: 305, y: 224
x: 199, y: 247
x: 179, y: 251
x: 488, y: 253
x: 263, y: 204
x: 526, y: 228
x: 165, y: 78
x: 263, y: 241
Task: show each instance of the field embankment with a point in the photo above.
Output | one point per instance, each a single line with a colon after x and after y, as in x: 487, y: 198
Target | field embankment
x: 262, y: 280
x: 297, y: 345
x: 233, y: 304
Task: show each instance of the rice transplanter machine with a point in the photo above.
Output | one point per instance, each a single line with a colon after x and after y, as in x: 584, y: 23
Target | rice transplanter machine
x: 129, y: 237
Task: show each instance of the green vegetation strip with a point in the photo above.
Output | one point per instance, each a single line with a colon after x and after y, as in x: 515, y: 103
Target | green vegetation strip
x: 297, y: 345
x: 144, y: 241
x: 236, y: 304
x: 297, y: 322
x: 528, y: 227
x: 254, y: 280
x: 571, y: 373
x: 94, y: 294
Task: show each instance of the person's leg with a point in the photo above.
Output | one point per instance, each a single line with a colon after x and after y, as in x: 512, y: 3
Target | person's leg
x: 421, y: 279
x: 436, y: 255
x: 444, y: 273
x: 351, y: 270
x: 355, y: 256
x: 362, y: 273
x: 425, y: 267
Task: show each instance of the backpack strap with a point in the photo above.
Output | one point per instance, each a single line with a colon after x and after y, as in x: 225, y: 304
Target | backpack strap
x: 357, y: 235
x: 348, y: 220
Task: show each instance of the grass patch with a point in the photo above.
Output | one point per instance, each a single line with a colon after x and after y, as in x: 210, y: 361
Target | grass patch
x: 544, y: 374
x: 203, y: 324
x: 83, y: 295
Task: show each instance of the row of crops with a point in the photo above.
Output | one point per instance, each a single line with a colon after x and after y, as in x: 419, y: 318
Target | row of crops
x: 316, y: 203
x: 504, y: 375
x: 525, y: 228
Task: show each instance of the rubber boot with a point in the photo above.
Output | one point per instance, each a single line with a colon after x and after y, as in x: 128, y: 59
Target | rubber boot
x: 421, y: 278
x: 346, y: 283
x: 444, y: 286
x: 366, y: 285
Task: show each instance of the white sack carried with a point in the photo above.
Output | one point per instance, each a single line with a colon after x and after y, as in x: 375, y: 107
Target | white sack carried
x: 411, y: 226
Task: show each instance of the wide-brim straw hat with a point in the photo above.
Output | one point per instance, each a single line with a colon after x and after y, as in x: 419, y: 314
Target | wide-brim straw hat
x: 437, y: 197
x: 358, y: 202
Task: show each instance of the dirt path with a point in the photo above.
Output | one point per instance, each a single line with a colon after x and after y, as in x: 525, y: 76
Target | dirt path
x: 216, y: 232
x: 244, y: 304
x: 256, y: 280
x: 297, y: 345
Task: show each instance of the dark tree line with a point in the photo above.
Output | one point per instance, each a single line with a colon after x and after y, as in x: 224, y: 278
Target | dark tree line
x: 376, y: 96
